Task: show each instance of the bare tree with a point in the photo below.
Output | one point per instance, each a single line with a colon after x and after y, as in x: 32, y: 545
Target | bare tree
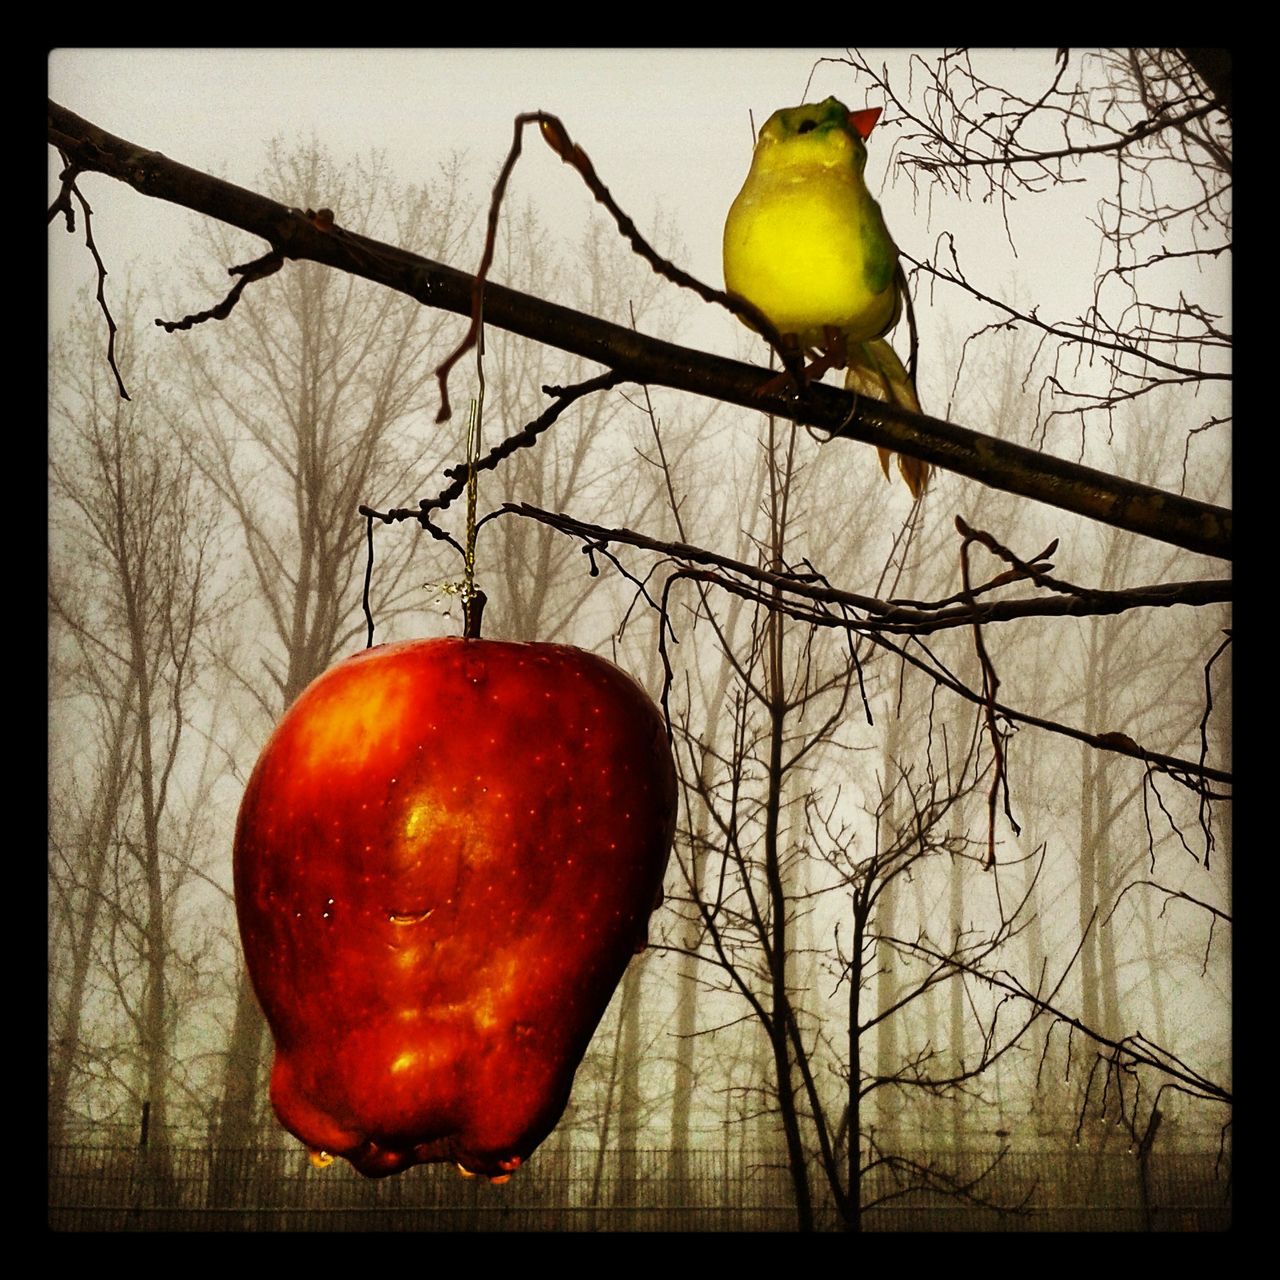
x: 133, y: 594
x: 1153, y: 128
x: 781, y: 854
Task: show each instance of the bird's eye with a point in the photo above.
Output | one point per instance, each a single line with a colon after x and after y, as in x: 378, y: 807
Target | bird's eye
x: 807, y: 125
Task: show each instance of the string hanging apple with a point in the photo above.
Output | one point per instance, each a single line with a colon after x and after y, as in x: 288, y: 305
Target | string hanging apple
x: 446, y: 855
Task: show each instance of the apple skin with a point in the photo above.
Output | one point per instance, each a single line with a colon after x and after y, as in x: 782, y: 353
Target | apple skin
x: 445, y: 857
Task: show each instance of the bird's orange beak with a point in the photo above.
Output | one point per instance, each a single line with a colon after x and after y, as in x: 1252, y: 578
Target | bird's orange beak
x: 864, y: 121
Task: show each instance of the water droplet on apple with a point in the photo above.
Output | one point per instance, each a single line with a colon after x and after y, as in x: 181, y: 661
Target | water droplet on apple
x: 321, y: 1159
x: 410, y: 917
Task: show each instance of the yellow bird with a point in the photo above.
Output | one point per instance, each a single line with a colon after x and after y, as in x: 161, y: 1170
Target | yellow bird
x: 806, y: 243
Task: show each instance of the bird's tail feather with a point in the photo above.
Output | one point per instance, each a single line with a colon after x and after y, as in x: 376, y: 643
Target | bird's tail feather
x: 874, y: 370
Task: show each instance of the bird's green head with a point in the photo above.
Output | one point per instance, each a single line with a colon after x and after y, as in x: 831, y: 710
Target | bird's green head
x: 817, y: 133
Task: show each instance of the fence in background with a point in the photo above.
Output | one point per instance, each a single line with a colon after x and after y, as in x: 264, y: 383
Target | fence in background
x: 129, y: 1189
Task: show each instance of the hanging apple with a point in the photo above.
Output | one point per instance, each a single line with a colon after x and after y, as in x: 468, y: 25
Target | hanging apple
x: 445, y: 857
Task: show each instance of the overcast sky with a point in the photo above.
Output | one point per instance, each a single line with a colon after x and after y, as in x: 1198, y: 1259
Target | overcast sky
x: 665, y: 128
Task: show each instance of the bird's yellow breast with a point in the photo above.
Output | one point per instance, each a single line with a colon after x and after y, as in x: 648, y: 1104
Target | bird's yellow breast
x: 805, y: 241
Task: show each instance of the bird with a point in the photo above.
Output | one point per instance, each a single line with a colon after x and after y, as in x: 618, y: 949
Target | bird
x: 806, y: 244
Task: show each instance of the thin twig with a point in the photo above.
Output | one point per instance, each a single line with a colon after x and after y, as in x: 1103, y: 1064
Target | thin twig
x: 63, y: 204
x: 1204, y: 741
x: 248, y: 272
x: 990, y: 687
x: 598, y: 536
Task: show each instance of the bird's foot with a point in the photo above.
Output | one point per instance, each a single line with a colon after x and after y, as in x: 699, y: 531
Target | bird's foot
x: 832, y: 355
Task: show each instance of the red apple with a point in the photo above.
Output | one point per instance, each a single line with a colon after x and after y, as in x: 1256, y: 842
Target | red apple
x: 445, y: 857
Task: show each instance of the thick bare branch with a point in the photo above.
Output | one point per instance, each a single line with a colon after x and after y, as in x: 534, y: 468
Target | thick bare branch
x: 998, y: 463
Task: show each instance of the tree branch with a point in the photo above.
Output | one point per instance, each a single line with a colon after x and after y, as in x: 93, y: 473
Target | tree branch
x: 999, y: 464
x: 597, y: 538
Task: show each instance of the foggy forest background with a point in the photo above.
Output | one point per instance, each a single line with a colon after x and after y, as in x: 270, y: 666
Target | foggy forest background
x: 840, y: 979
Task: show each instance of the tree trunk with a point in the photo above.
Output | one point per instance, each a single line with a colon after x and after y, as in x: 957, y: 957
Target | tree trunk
x: 237, y: 1112
x: 683, y: 1070
x: 629, y: 1099
x: 888, y: 1099
x: 82, y: 926
x: 687, y: 972
x: 1087, y: 893
x: 778, y: 941
x: 852, y: 1206
x: 955, y: 995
